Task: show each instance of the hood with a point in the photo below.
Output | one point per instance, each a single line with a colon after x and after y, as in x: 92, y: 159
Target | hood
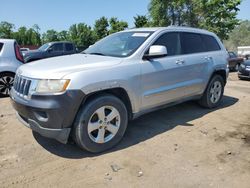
x: 30, y: 52
x: 57, y: 67
x: 247, y: 63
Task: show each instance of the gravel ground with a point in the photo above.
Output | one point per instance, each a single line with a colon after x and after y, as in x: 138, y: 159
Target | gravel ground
x: 180, y: 146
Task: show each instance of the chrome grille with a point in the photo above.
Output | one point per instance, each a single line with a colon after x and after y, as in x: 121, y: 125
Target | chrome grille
x: 22, y: 85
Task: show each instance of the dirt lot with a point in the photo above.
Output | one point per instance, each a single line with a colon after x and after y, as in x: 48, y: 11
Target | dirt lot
x: 180, y: 146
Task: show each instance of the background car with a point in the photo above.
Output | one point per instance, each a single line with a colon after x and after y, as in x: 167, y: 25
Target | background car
x: 10, y: 59
x: 51, y: 49
x: 244, y: 70
x: 234, y: 61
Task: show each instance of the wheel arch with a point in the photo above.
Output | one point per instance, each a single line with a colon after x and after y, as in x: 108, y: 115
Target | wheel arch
x: 118, y: 92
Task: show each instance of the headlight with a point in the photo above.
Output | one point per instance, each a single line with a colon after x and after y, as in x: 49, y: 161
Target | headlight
x: 248, y: 68
x: 52, y: 86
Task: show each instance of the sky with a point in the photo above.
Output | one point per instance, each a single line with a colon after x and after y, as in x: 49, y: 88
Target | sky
x: 61, y: 14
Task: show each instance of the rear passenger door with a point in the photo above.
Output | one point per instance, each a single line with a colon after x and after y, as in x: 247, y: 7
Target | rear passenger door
x: 68, y: 48
x: 196, y: 62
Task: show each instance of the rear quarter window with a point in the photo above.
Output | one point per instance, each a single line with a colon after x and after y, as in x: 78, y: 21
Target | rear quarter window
x: 1, y: 46
x: 210, y: 43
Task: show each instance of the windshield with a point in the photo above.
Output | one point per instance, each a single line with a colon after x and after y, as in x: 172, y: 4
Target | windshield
x: 119, y: 44
x: 43, y: 47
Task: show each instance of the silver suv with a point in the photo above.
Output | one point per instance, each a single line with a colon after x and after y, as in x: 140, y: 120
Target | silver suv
x: 92, y: 96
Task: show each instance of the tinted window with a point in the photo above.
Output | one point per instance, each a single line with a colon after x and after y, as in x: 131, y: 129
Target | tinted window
x: 210, y: 43
x: 1, y: 46
x: 69, y: 47
x: 57, y: 47
x: 232, y: 55
x: 192, y: 43
x: 171, y: 41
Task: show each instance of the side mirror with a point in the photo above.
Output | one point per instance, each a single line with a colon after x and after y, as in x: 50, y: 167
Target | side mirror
x: 156, y: 51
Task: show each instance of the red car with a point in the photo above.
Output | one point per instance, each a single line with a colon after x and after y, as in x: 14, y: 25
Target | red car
x: 234, y: 61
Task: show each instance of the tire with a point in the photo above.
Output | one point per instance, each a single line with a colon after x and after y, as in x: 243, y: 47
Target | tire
x: 6, y: 82
x: 92, y: 131
x: 236, y: 68
x: 213, y: 94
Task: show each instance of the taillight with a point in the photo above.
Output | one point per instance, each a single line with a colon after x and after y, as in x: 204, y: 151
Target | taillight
x: 19, y: 56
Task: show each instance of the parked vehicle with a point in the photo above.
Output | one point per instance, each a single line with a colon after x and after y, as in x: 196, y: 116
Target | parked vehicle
x: 244, y: 51
x: 23, y: 50
x: 10, y: 59
x: 234, y: 61
x: 93, y: 95
x: 51, y: 49
x: 244, y: 70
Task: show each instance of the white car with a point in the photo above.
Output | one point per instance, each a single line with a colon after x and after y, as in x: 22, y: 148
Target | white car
x: 10, y: 59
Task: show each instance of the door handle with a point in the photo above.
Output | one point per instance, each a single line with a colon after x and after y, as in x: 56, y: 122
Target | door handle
x: 180, y: 62
x: 208, y: 58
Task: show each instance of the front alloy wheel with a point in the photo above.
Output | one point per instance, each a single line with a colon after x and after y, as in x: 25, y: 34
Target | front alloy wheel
x: 6, y: 82
x: 104, y: 124
x: 100, y: 123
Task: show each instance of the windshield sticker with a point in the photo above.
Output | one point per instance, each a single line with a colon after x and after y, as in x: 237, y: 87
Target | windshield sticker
x: 140, y: 34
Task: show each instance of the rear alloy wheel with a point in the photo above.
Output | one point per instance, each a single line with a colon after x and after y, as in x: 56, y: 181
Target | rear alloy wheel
x: 6, y: 82
x: 100, y: 123
x: 212, y: 96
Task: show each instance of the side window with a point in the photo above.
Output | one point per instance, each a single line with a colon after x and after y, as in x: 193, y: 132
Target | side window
x: 210, y: 43
x: 192, y: 43
x: 57, y: 47
x: 69, y: 47
x: 232, y: 55
x: 172, y: 42
x: 1, y: 46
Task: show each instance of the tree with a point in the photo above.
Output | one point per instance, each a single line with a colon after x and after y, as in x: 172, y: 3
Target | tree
x: 63, y: 35
x: 21, y: 35
x: 50, y: 36
x: 158, y: 10
x: 116, y: 25
x: 218, y: 16
x: 141, y: 21
x: 81, y: 35
x: 101, y: 28
x: 6, y: 30
x: 240, y: 36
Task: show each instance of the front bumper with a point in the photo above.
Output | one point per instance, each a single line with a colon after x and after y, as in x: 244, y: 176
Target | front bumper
x: 51, y: 116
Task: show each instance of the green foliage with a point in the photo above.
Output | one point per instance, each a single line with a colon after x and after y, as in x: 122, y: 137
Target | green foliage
x: 240, y: 36
x: 81, y: 35
x: 116, y: 25
x: 218, y: 16
x: 6, y: 30
x: 141, y: 21
x: 101, y: 28
x: 50, y: 36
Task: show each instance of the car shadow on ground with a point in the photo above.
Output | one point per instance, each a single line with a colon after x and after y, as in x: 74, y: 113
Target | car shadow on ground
x: 141, y: 129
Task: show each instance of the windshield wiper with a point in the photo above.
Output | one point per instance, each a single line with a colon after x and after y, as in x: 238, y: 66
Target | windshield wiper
x: 97, y: 53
